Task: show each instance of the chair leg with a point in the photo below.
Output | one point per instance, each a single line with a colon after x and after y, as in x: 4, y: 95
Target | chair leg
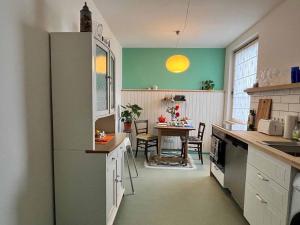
x: 157, y: 147
x: 146, y: 150
x: 182, y: 147
x: 200, y: 153
x: 137, y: 148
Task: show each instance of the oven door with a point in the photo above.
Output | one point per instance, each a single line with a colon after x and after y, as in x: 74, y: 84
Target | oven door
x: 217, y: 153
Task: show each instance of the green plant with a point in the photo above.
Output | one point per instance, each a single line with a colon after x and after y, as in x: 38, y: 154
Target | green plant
x: 130, y: 113
x: 208, y: 85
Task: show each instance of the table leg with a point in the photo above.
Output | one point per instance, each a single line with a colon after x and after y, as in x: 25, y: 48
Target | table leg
x: 159, y: 143
x: 186, y: 147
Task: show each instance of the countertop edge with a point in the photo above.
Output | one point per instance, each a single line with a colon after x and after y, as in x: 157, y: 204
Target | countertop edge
x: 291, y: 160
x: 109, y: 147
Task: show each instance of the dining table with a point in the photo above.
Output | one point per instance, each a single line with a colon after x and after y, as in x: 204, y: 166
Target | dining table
x: 179, y: 131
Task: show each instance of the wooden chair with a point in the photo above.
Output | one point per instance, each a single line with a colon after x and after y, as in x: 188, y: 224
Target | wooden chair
x: 195, y: 141
x: 144, y: 140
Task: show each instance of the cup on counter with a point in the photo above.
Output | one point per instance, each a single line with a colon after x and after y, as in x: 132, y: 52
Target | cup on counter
x: 295, y: 74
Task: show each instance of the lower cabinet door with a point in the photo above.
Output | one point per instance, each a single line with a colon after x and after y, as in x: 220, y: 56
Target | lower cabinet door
x: 111, y: 186
x: 120, y: 177
x: 257, y: 210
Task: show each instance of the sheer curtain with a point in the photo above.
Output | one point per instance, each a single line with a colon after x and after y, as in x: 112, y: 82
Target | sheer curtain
x: 245, y: 70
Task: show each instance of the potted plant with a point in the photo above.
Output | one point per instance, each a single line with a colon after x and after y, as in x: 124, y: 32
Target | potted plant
x: 129, y: 114
x: 208, y: 85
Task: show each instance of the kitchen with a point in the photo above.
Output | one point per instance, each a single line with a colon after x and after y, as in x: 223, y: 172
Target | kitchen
x: 220, y: 145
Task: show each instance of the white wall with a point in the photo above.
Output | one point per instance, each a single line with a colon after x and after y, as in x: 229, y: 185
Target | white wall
x: 25, y: 140
x: 279, y: 45
x: 200, y: 106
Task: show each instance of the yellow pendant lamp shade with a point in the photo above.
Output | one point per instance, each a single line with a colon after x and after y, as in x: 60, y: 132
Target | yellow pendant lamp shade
x: 177, y: 63
x: 101, y: 64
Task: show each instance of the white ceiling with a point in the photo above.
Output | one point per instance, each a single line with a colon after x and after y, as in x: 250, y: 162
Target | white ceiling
x: 151, y: 23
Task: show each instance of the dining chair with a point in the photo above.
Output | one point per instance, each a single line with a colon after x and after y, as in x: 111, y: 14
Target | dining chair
x: 144, y: 139
x: 195, y: 141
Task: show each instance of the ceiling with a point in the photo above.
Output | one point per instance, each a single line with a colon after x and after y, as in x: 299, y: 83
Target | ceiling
x: 211, y: 23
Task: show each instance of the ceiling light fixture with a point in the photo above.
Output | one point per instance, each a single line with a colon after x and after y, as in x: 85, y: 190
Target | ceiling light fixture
x: 179, y: 63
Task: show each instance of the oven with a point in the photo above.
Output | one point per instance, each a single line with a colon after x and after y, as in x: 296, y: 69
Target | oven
x: 218, y: 149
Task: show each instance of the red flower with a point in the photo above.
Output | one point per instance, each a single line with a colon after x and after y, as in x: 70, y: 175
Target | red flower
x: 177, y: 114
x: 176, y: 107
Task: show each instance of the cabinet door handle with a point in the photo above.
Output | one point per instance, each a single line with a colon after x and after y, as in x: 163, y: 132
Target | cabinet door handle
x: 216, y: 168
x: 297, y: 188
x: 261, y: 199
x: 262, y: 177
x: 118, y: 180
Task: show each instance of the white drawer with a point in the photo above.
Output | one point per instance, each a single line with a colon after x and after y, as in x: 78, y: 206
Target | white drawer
x: 277, y: 170
x: 276, y: 196
x: 258, y: 211
x: 219, y: 175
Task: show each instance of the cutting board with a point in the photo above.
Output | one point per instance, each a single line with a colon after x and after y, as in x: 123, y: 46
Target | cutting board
x: 263, y: 110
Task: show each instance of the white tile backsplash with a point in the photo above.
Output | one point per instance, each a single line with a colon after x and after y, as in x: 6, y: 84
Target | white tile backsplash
x: 284, y: 102
x: 290, y: 99
x: 294, y: 108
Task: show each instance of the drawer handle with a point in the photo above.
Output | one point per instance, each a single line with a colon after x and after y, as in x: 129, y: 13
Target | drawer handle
x: 261, y: 199
x: 262, y: 177
x: 113, y: 158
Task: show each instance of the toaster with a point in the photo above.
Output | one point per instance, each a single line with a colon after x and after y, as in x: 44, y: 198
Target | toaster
x: 270, y: 127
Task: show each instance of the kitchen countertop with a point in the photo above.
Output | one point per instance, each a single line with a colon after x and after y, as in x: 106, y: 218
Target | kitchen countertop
x: 110, y: 146
x: 254, y: 138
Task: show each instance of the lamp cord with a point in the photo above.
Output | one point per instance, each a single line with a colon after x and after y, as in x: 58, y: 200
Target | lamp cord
x: 188, y: 4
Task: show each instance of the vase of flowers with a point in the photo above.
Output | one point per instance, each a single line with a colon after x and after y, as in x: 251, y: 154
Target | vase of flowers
x: 174, y: 112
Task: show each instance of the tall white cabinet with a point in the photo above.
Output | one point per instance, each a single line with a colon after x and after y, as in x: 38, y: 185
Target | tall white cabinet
x: 88, y: 177
x: 83, y: 88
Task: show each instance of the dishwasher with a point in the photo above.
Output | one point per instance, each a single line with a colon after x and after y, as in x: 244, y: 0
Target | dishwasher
x: 235, y: 168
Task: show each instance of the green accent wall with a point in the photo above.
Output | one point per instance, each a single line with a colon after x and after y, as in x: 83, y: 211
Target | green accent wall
x: 145, y: 67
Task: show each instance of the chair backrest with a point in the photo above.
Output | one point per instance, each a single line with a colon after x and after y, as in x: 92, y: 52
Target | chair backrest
x: 141, y: 126
x: 201, y: 130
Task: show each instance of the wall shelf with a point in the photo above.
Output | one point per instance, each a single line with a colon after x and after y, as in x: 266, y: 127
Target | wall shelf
x: 272, y: 88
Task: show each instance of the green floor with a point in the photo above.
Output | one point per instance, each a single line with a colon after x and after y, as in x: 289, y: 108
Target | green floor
x: 176, y: 197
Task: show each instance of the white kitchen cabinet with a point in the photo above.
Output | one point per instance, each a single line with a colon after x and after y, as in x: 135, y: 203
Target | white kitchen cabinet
x: 267, y: 189
x: 88, y: 186
x: 257, y: 210
x: 83, y: 87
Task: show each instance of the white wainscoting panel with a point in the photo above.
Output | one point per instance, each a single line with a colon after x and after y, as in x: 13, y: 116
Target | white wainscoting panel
x: 200, y: 106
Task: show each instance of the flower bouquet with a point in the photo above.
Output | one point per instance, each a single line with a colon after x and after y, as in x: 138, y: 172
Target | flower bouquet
x: 173, y: 110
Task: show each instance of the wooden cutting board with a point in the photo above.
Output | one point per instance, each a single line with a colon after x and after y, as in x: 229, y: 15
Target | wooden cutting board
x: 263, y: 110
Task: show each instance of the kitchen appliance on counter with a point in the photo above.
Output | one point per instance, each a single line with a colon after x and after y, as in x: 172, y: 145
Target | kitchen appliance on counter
x: 270, y: 127
x: 235, y: 168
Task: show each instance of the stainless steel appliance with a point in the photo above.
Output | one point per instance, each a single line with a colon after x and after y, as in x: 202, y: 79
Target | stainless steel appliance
x: 235, y: 168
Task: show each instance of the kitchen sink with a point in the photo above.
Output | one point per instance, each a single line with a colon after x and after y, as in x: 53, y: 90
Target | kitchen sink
x: 291, y: 148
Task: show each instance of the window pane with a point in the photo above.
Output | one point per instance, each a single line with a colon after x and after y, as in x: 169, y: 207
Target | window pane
x: 245, y: 69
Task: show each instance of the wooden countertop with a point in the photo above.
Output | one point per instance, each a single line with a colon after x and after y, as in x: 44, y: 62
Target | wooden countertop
x: 110, y: 146
x: 255, y: 138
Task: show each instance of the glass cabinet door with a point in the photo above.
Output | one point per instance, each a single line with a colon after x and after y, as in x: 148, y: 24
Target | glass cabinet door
x: 112, y: 82
x: 102, y: 104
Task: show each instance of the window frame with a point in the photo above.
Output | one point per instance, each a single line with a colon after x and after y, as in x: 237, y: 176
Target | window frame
x: 240, y: 48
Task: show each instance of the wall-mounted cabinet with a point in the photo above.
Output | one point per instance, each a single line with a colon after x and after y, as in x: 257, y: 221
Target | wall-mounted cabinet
x: 83, y: 87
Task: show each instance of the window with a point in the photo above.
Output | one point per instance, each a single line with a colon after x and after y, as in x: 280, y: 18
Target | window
x: 244, y: 76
